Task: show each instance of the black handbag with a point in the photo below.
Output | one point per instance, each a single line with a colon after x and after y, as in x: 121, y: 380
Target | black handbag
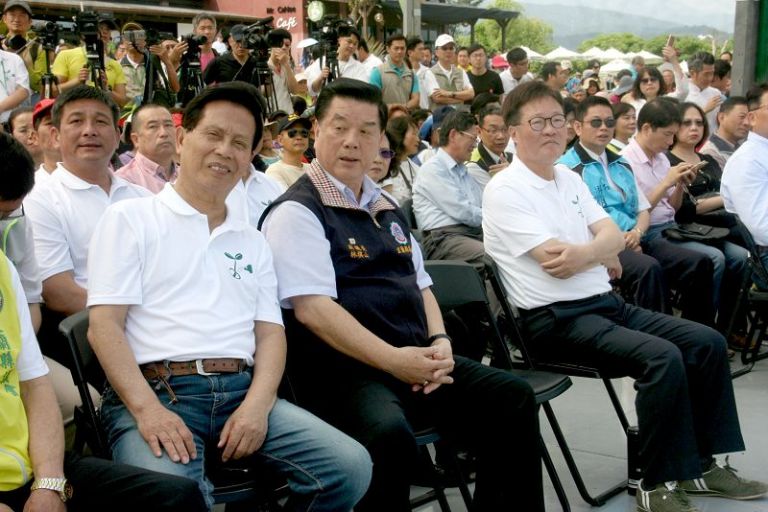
x: 694, y: 232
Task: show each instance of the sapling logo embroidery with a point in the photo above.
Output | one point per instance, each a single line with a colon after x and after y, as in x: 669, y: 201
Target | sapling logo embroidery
x: 235, y: 258
x: 577, y: 203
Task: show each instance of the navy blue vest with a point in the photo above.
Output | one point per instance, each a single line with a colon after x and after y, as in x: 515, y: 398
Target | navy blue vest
x: 375, y: 282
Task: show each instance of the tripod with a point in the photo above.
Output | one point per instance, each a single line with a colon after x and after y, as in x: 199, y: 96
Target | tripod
x: 262, y: 79
x: 191, y: 79
x: 94, y: 54
x: 48, y: 81
x: 330, y: 57
x: 152, y: 77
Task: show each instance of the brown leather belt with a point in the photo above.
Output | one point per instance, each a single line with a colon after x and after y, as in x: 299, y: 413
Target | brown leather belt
x: 195, y: 367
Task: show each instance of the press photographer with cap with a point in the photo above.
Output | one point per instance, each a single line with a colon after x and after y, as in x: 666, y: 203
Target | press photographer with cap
x: 17, y: 16
x: 318, y: 72
x: 293, y: 136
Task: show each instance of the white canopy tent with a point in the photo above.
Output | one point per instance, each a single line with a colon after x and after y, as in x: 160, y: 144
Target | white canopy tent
x: 532, y: 55
x: 615, y: 66
x: 560, y: 53
x: 612, y: 54
x: 593, y: 53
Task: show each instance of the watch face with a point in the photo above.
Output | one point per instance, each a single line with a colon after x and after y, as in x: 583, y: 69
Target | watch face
x: 67, y: 492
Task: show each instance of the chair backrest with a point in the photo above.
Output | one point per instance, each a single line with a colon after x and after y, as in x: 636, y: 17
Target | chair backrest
x: 407, y: 208
x: 754, y: 252
x: 456, y: 284
x: 85, y: 369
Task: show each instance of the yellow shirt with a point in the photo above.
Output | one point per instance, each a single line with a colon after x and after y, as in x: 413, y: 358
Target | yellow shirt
x: 15, y: 464
x: 68, y: 64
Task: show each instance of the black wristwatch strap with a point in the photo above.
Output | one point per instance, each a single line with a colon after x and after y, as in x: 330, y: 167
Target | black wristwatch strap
x: 436, y: 337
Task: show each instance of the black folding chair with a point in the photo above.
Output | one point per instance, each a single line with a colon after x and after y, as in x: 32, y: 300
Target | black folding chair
x: 231, y: 484
x: 456, y: 284
x: 755, y: 302
x: 564, y: 368
x: 407, y: 208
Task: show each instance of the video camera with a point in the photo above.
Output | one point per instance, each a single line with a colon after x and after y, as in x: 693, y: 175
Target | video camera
x: 194, y: 43
x: 47, y: 33
x: 331, y: 27
x: 149, y: 37
x: 260, y: 37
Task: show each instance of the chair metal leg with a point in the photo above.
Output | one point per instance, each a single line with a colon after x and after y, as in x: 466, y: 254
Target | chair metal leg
x: 616, y: 404
x: 554, y: 477
x: 463, y: 487
x: 596, y: 501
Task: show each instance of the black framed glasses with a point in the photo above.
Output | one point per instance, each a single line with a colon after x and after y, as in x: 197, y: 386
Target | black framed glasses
x: 386, y: 154
x: 298, y: 131
x: 609, y: 122
x: 539, y: 123
x: 692, y: 122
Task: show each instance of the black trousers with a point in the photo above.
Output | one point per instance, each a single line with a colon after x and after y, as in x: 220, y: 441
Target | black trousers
x: 100, y: 484
x: 685, y: 404
x: 642, y: 281
x: 488, y: 409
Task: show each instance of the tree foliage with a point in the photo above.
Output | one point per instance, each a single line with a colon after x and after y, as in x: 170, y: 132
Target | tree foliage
x: 624, y: 42
x: 531, y: 32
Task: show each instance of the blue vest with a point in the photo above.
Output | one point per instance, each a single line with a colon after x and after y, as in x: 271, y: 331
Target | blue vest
x: 620, y: 204
x: 375, y: 281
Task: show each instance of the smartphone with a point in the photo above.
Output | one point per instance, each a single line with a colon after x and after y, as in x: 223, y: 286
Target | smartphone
x: 699, y: 166
x: 670, y: 40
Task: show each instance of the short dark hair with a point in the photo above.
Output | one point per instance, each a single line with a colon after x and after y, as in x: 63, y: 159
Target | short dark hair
x: 524, y: 94
x: 699, y: 60
x: 516, y: 55
x: 622, y: 73
x: 755, y: 95
x: 621, y: 108
x: 684, y: 107
x: 281, y: 33
x: 16, y: 113
x: 397, y: 128
x: 473, y: 48
x: 299, y: 105
x: 730, y: 54
x: 345, y: 31
x: 732, y: 102
x: 364, y: 45
x: 590, y: 101
x: 481, y: 100
x: 487, y: 111
x: 462, y: 49
x: 456, y: 120
x: 239, y: 93
x: 19, y: 169
x: 397, y: 37
x: 412, y: 42
x: 652, y: 72
x: 83, y: 92
x: 394, y: 162
x: 352, y: 89
x: 548, y: 69
x: 592, y: 63
x: 203, y: 16
x: 419, y: 115
x: 659, y: 113
x: 722, y: 68
x: 142, y: 108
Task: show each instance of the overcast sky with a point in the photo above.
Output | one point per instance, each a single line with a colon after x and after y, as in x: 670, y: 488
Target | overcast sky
x: 717, y: 13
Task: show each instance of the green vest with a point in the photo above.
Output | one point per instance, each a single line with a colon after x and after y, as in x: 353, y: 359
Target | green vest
x: 15, y: 465
x: 395, y: 88
x: 452, y: 81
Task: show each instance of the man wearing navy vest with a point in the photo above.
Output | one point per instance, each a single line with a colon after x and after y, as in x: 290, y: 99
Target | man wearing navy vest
x: 368, y: 350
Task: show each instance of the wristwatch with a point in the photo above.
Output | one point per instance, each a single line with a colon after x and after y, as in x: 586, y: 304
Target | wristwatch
x: 60, y: 485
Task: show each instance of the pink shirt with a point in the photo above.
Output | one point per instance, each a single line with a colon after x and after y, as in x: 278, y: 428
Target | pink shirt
x: 205, y: 59
x: 143, y: 171
x: 649, y: 174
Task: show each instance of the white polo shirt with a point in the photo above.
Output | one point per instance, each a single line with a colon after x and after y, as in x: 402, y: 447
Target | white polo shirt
x: 522, y: 211
x: 249, y: 200
x: 192, y: 293
x: 64, y: 211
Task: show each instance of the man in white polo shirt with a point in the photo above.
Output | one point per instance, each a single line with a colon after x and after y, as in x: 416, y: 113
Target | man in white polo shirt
x: 187, y: 326
x: 65, y: 209
x: 556, y: 249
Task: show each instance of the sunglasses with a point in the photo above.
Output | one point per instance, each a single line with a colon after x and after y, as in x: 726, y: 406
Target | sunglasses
x: 691, y: 122
x: 597, y: 122
x: 649, y: 80
x: 292, y: 133
x: 387, y: 154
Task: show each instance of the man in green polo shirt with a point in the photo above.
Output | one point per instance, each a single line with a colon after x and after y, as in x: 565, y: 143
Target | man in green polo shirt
x: 398, y: 83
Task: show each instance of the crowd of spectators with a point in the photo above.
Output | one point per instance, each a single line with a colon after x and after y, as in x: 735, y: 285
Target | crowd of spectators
x: 260, y: 226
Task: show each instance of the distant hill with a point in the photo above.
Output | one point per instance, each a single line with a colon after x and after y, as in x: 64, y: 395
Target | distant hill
x: 572, y: 24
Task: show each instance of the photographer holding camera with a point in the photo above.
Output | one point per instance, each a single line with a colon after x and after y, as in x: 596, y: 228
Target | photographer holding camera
x: 347, y: 39
x: 142, y: 45
x: 271, y: 57
x: 17, y: 16
x: 75, y: 66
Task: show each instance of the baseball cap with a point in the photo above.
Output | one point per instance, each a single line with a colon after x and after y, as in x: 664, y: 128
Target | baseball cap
x: 41, y: 109
x: 443, y: 39
x: 17, y: 3
x: 237, y: 32
x: 301, y: 77
x: 291, y: 120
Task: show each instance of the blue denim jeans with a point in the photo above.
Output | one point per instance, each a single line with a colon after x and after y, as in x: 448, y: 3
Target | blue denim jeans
x: 326, y: 470
x: 732, y: 258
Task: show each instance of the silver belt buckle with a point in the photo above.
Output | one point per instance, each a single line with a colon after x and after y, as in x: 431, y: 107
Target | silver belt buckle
x: 199, y: 367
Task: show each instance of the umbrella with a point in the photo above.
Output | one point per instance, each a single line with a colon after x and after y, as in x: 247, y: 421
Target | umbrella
x: 561, y: 53
x: 499, y: 62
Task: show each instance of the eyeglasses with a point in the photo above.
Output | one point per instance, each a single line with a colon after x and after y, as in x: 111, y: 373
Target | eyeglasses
x: 447, y: 48
x: 292, y: 133
x: 13, y: 214
x: 471, y: 136
x: 648, y: 80
x: 691, y: 122
x: 609, y: 122
x: 537, y: 124
x: 495, y: 131
x: 386, y: 154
